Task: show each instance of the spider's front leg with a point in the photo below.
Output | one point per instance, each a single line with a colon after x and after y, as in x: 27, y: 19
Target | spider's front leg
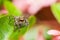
x: 15, y: 26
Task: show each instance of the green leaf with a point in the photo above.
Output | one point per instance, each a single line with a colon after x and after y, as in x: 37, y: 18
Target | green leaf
x: 2, y: 15
x: 12, y: 10
x: 5, y: 28
x: 32, y: 20
x: 56, y: 11
x: 46, y: 35
x: 1, y: 3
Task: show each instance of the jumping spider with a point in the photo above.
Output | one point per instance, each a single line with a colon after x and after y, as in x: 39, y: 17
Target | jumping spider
x: 19, y: 22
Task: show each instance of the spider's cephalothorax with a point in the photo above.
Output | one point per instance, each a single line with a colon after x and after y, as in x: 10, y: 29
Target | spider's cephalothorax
x: 20, y: 22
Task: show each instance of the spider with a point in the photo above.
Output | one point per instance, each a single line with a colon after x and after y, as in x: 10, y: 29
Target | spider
x: 19, y: 22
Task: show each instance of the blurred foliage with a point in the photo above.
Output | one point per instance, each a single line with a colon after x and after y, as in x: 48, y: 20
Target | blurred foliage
x: 2, y: 15
x: 12, y: 9
x: 1, y: 4
x: 31, y: 34
x: 32, y: 21
x: 7, y: 23
x: 46, y: 35
x: 56, y: 11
